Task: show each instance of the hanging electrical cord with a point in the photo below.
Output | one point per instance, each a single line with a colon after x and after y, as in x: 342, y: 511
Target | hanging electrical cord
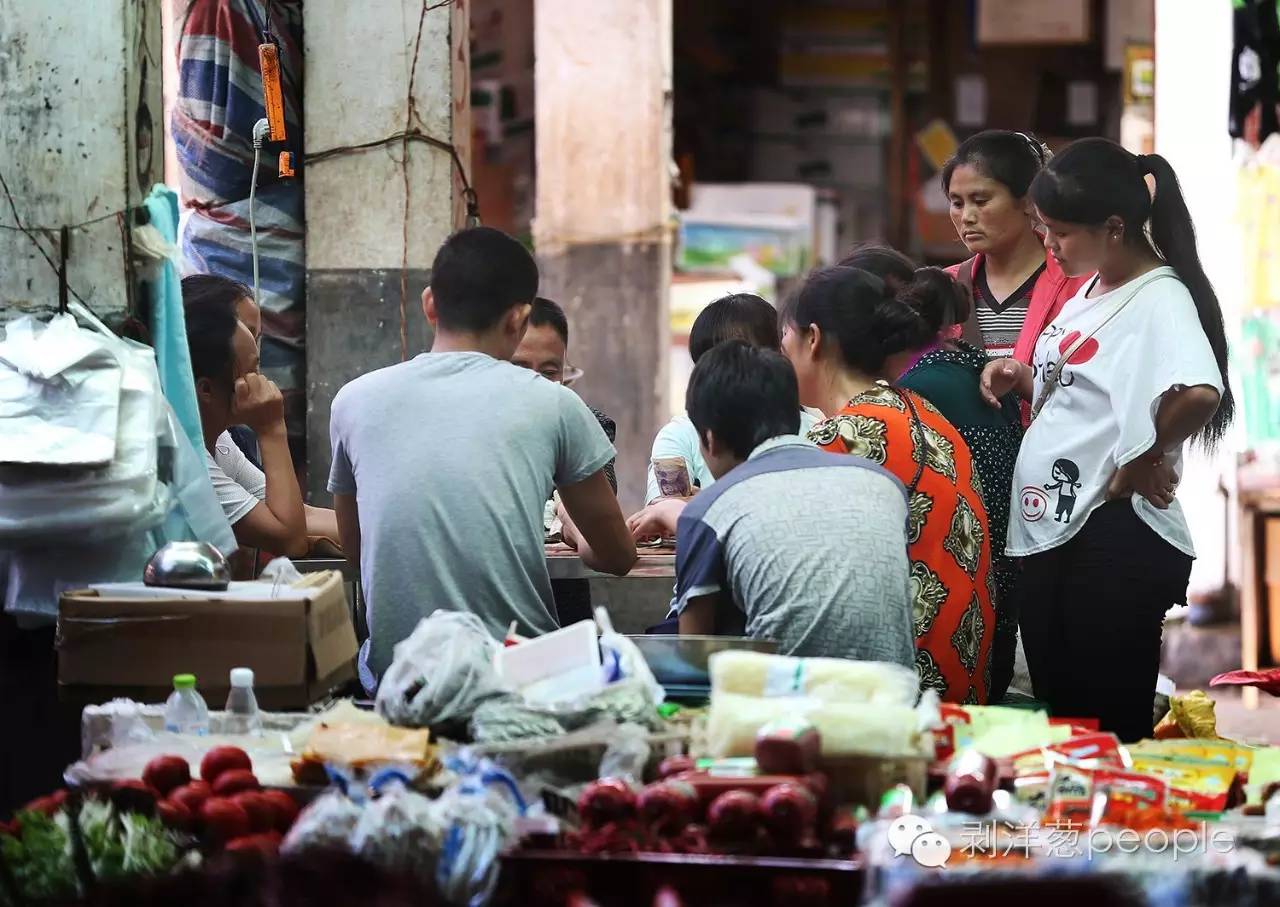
x: 260, y: 130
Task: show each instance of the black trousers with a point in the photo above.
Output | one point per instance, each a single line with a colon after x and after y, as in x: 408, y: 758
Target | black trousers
x: 1091, y: 613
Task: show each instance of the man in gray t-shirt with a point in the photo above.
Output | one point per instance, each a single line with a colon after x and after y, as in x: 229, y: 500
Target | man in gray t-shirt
x: 442, y: 464
x: 810, y: 547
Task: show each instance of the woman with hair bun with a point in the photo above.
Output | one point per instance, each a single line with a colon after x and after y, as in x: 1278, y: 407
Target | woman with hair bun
x: 1016, y: 288
x: 1133, y: 367
x: 839, y: 332
x: 948, y: 373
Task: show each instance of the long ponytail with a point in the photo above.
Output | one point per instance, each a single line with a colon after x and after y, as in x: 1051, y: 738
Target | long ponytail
x: 1094, y: 179
x: 1174, y: 238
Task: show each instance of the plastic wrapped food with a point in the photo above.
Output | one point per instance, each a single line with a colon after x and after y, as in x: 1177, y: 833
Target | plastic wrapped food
x: 825, y: 679
x: 441, y: 673
x: 1191, y: 715
x: 327, y: 824
x: 844, y: 728
x: 401, y: 831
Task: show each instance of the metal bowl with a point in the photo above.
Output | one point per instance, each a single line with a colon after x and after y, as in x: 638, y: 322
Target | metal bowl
x: 188, y: 565
x: 682, y: 660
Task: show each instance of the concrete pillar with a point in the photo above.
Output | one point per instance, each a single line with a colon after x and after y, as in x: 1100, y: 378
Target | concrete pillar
x: 80, y: 125
x: 601, y: 223
x: 367, y: 259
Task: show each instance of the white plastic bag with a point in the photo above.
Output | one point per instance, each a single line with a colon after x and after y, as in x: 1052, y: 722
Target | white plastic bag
x: 440, y: 673
x: 125, y: 495
x: 59, y: 394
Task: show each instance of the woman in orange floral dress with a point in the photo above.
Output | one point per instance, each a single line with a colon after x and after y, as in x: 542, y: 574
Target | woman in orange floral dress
x: 839, y: 332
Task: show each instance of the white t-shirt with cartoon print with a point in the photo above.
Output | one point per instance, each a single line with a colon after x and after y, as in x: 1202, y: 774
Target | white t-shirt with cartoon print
x: 1102, y: 416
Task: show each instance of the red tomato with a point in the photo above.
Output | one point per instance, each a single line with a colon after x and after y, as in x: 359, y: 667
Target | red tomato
x: 166, y: 773
x: 284, y: 806
x: 224, y: 819
x: 223, y: 759
x: 174, y: 815
x: 262, y: 813
x: 735, y: 816
x: 235, y: 781
x: 607, y: 800
x: 267, y: 843
x: 134, y: 796
x: 47, y: 805
x: 192, y: 796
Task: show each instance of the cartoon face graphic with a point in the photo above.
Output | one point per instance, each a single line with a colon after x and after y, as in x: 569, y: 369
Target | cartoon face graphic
x: 905, y: 830
x: 931, y: 850
x: 1059, y: 474
x: 1035, y: 503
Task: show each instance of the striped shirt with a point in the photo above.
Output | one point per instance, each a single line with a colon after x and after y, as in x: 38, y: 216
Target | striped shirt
x: 1001, y: 321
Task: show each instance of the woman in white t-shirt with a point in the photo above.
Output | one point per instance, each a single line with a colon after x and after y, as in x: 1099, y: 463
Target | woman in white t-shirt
x: 1095, y: 516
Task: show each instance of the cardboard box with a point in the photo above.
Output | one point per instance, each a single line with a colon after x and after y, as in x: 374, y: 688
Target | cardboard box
x: 299, y: 647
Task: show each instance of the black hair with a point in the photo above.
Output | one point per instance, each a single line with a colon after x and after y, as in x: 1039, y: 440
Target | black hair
x: 1068, y: 469
x: 478, y: 275
x: 1096, y: 179
x: 209, y: 308
x: 1010, y: 158
x: 931, y: 293
x: 213, y: 289
x: 547, y: 312
x: 739, y: 316
x: 858, y: 312
x: 744, y: 395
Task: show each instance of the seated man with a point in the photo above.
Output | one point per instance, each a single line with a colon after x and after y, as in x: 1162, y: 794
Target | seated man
x: 264, y: 506
x: 237, y: 452
x: 442, y: 465
x: 738, y: 316
x: 545, y: 349
x: 810, y: 547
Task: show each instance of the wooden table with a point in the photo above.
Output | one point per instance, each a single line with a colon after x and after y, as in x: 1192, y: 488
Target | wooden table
x: 1253, y: 507
x: 563, y: 563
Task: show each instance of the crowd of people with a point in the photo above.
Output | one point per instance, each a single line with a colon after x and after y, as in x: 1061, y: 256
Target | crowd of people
x: 938, y: 468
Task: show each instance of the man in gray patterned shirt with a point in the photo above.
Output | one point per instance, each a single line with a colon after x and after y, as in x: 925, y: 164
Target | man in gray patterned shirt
x: 810, y: 547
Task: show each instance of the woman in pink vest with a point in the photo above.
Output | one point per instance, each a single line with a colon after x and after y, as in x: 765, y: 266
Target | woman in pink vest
x: 1017, y: 289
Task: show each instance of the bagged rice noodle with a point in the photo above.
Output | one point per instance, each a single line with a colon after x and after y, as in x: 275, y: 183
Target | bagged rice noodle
x: 832, y: 680
x: 847, y: 728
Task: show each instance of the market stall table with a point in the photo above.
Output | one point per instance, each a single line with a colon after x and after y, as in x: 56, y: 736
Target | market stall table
x: 654, y: 563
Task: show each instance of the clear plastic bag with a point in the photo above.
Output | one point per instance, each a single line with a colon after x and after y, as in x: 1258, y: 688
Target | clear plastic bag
x: 327, y: 824
x: 441, y: 673
x: 627, y: 754
x: 401, y: 830
x: 479, y: 813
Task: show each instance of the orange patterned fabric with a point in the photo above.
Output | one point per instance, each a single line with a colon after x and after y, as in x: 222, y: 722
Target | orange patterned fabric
x: 950, y: 543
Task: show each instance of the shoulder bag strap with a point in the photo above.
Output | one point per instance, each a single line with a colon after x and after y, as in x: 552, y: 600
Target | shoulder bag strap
x: 972, y: 331
x: 917, y: 432
x: 1051, y: 379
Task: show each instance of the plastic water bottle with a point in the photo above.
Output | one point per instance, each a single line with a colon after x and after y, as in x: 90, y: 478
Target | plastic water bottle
x: 242, y: 706
x: 185, y: 712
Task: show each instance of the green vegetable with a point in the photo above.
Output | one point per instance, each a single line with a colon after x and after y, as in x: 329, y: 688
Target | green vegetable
x: 118, y: 845
x: 40, y: 857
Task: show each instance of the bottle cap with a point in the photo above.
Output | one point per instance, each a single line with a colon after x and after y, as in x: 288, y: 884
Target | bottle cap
x: 184, y: 681
x: 242, y: 677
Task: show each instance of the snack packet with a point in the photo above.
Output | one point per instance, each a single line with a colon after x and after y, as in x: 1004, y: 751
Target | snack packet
x: 1191, y: 715
x: 1087, y: 749
x: 1224, y: 752
x: 1195, y: 785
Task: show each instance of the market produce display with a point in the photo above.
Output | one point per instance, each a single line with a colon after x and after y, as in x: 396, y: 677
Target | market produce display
x: 804, y: 775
